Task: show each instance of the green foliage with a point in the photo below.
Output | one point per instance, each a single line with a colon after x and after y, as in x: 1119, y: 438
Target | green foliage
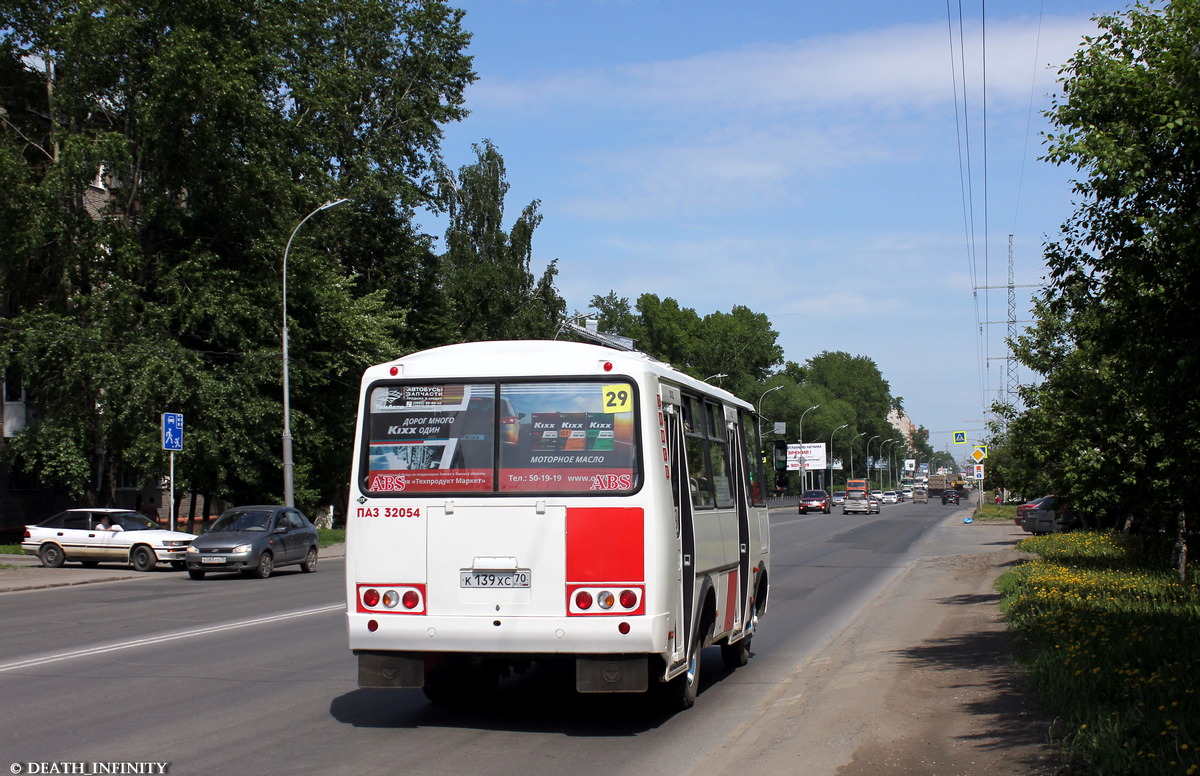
x: 155, y: 159
x: 1113, y: 647
x: 1114, y: 421
x: 488, y: 283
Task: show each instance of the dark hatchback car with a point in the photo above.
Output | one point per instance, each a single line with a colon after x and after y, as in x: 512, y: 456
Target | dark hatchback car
x: 255, y: 541
x: 814, y: 501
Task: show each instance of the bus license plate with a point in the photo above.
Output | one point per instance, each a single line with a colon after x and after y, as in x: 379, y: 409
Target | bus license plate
x: 507, y: 578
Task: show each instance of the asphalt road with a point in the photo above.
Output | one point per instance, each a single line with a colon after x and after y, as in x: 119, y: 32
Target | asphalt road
x: 232, y: 675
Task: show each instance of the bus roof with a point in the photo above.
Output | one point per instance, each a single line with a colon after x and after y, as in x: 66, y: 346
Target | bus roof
x: 533, y: 358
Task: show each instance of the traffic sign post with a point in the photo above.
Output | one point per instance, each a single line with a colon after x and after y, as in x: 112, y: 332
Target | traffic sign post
x: 172, y: 441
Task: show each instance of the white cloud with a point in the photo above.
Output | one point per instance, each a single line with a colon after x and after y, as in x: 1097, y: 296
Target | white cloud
x: 901, y: 68
x: 763, y: 126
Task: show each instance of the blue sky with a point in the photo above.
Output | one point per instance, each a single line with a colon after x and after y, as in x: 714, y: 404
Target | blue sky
x: 805, y: 160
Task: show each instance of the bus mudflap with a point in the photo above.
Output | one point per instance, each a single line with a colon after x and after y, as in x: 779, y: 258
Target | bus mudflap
x: 403, y: 670
x: 611, y: 673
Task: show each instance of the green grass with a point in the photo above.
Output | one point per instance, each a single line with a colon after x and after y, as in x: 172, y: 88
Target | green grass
x: 331, y: 536
x: 988, y: 512
x: 1113, y: 647
x: 10, y: 549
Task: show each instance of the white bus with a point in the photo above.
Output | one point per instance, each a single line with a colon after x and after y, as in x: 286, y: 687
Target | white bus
x: 525, y: 502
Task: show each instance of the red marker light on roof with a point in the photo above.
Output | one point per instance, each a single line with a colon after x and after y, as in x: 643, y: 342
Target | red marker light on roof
x: 607, y: 366
x: 394, y: 371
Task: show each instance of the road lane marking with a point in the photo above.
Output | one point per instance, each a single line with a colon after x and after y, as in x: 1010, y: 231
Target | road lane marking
x: 104, y: 648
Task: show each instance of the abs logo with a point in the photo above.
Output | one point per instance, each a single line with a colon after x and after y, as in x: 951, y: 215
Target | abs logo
x: 387, y: 483
x: 612, y: 482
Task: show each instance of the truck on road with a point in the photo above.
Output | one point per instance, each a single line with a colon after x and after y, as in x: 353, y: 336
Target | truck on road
x: 937, y: 483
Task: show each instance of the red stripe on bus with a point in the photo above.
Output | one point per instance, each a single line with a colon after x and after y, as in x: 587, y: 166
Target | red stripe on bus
x: 606, y: 544
x: 731, y: 596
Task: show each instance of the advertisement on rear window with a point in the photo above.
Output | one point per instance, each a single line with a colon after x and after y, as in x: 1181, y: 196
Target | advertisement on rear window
x: 431, y: 438
x: 550, y: 437
x: 576, y: 437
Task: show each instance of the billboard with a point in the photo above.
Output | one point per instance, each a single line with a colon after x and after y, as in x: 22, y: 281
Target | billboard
x: 813, y: 455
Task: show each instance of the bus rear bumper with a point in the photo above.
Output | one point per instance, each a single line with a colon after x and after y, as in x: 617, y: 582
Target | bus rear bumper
x: 516, y: 636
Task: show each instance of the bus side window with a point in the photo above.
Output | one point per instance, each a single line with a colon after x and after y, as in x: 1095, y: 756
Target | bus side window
x: 701, y: 486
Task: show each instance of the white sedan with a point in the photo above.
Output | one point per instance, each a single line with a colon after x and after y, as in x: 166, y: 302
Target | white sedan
x: 891, y: 497
x: 92, y: 536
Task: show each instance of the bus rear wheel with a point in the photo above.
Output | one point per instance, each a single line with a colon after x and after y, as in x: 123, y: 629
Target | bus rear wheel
x: 680, y: 693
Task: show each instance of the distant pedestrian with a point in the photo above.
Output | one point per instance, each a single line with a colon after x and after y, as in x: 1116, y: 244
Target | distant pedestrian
x: 999, y: 500
x: 151, y: 511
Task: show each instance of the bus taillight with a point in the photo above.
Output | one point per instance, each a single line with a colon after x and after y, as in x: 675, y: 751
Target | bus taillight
x: 596, y: 600
x: 391, y: 599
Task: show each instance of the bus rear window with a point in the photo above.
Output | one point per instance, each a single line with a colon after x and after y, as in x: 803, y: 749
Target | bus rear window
x: 570, y: 437
x: 566, y: 437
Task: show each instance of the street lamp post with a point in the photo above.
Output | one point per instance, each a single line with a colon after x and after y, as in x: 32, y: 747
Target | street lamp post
x: 868, y: 465
x: 758, y: 411
x: 863, y: 434
x: 288, y: 490
x: 804, y: 471
x: 831, y: 433
x: 881, y: 446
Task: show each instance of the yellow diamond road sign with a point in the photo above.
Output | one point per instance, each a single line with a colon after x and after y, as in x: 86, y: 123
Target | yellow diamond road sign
x: 979, y: 453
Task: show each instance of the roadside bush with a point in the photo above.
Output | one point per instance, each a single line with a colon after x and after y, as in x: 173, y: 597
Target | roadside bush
x: 1113, y: 646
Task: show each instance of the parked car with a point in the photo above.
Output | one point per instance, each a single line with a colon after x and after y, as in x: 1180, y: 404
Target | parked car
x: 1051, y: 515
x: 255, y: 540
x: 92, y: 536
x: 890, y: 497
x: 949, y: 495
x: 839, y: 497
x: 1023, y: 508
x: 920, y: 496
x: 858, y: 501
x: 814, y: 501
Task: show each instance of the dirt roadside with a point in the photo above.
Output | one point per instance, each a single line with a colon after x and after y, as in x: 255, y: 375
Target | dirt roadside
x: 921, y: 682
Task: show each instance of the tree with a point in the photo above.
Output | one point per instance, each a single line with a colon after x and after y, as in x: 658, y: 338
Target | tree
x: 1116, y: 338
x: 489, y: 286
x: 614, y: 315
x: 155, y: 158
x: 857, y: 381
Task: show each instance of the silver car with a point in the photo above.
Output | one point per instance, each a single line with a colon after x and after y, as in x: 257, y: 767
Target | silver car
x: 859, y: 501
x: 255, y: 540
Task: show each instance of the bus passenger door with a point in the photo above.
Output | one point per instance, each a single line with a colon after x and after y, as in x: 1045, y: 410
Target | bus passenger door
x: 682, y: 497
x: 741, y: 479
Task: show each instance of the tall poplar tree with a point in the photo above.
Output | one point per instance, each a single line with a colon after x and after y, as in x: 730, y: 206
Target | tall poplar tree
x: 488, y: 282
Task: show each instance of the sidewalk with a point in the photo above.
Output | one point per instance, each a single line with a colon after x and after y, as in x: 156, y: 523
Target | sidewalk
x: 921, y: 682
x: 29, y: 573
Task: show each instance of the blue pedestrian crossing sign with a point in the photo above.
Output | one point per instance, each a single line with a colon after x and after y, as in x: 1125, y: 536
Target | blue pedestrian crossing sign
x: 960, y: 437
x: 172, y: 431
